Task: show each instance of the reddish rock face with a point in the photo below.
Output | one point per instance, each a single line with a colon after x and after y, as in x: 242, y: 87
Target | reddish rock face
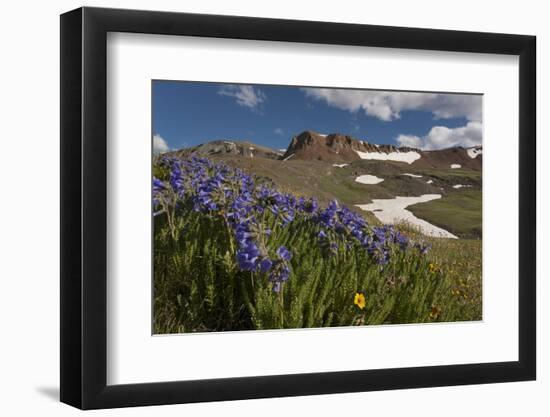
x: 338, y: 148
x: 313, y: 146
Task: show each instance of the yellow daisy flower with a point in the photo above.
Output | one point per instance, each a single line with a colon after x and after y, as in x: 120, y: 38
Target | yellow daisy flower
x: 360, y: 300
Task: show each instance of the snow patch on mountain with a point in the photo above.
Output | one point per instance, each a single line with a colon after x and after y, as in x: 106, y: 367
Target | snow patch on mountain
x: 368, y: 179
x: 393, y: 211
x: 474, y: 152
x: 408, y: 157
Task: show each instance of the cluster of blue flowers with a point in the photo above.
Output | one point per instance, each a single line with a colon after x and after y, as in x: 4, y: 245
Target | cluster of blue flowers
x: 378, y: 241
x: 252, y: 254
x: 215, y: 188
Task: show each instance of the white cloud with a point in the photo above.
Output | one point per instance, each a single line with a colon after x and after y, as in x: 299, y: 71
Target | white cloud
x: 244, y: 95
x: 159, y: 144
x: 440, y: 137
x: 410, y: 140
x: 388, y: 105
x: 279, y: 131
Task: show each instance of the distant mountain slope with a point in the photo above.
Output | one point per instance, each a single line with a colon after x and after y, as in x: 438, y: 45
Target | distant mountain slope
x: 336, y: 166
x: 338, y: 148
x: 230, y: 147
x: 327, y: 182
x: 444, y: 158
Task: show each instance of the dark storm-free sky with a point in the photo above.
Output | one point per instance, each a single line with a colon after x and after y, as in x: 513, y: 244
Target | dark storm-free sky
x: 189, y: 113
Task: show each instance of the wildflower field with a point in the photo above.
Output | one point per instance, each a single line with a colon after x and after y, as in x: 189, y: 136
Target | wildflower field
x: 232, y: 252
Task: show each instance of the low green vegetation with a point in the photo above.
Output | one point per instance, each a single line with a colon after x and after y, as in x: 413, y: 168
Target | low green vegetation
x: 233, y: 252
x: 460, y: 260
x: 459, y: 212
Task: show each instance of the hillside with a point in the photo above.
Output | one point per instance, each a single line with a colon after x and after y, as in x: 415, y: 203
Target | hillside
x: 326, y: 182
x: 230, y: 147
x: 357, y: 173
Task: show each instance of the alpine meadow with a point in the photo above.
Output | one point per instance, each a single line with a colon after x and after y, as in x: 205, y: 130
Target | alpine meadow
x: 262, y: 222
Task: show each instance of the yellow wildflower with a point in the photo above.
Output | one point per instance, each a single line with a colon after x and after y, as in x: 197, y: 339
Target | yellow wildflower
x: 360, y: 300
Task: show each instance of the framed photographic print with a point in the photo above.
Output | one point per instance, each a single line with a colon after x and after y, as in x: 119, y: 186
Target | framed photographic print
x: 258, y: 207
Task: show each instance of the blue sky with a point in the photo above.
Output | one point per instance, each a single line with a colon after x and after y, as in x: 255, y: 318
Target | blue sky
x: 189, y: 113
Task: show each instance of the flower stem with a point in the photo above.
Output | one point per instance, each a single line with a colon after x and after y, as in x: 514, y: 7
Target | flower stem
x: 281, y: 305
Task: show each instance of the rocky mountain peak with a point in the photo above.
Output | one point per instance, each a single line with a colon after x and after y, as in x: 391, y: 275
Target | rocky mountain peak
x: 334, y: 147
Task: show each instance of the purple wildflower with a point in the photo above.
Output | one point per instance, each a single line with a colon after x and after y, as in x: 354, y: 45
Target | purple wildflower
x: 283, y: 253
x: 265, y: 265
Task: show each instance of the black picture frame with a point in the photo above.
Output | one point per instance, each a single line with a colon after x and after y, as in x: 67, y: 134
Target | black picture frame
x: 84, y: 207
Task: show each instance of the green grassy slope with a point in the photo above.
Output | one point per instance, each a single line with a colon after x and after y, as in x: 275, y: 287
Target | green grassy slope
x: 460, y: 212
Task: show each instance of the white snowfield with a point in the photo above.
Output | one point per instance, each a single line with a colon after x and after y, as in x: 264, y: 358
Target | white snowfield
x: 282, y: 150
x: 288, y: 157
x: 413, y: 175
x: 474, y: 152
x: 340, y: 165
x: 393, y: 211
x: 408, y: 157
x: 430, y: 182
x: 457, y: 186
x: 456, y: 166
x: 368, y: 179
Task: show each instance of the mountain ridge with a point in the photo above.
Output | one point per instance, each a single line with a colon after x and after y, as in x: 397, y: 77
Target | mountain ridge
x: 231, y: 147
x: 340, y: 148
